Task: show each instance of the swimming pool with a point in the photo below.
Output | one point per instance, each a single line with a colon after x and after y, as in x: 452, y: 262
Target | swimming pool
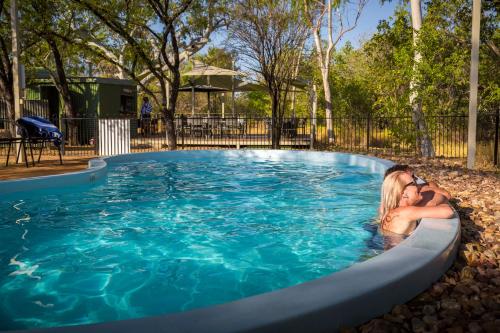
x: 345, y: 298
x: 196, y: 231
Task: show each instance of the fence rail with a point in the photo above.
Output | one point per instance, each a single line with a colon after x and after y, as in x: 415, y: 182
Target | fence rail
x: 387, y: 135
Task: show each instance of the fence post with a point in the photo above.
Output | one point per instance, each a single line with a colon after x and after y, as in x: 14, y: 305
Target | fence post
x: 368, y: 132
x: 97, y: 138
x: 495, y: 149
x: 65, y: 134
x: 182, y: 133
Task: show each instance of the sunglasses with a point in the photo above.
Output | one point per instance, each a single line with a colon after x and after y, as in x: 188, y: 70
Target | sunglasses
x: 412, y: 183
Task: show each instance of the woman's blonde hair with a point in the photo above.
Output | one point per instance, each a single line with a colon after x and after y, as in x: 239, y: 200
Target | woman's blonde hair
x: 392, y: 190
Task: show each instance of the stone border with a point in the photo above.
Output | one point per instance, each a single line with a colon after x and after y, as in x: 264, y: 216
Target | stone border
x: 342, y: 299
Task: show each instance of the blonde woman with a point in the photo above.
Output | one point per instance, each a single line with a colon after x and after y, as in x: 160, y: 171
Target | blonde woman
x: 403, y: 204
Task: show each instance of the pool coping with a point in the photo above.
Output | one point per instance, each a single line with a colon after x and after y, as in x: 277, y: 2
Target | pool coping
x: 342, y: 299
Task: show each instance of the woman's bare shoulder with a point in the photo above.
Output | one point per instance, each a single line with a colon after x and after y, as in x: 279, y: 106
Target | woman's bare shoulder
x: 397, y: 222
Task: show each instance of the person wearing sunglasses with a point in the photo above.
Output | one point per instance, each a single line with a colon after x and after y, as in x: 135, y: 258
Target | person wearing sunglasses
x: 403, y: 204
x: 424, y: 186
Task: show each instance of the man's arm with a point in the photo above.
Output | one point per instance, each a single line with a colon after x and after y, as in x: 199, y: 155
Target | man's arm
x: 435, y: 187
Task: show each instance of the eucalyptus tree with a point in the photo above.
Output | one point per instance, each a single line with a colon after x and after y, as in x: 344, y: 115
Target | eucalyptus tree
x: 319, y: 16
x: 423, y: 137
x: 48, y: 25
x: 268, y: 35
x: 168, y: 33
x: 6, y: 77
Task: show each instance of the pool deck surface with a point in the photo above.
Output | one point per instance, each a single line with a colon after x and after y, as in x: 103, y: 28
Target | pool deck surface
x: 466, y: 298
x: 49, y: 165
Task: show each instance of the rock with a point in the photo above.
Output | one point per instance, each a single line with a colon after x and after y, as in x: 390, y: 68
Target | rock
x: 430, y: 320
x: 437, y: 289
x: 496, y: 281
x: 463, y: 289
x: 474, y: 327
x: 401, y: 310
x: 378, y: 326
x: 450, y: 304
x: 491, y: 326
x: 394, y: 319
x: 417, y: 325
x: 429, y: 309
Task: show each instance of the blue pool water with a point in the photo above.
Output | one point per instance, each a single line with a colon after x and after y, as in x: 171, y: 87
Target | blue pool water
x: 157, y: 237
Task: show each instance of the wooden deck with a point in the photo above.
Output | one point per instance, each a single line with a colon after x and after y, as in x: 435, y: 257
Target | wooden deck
x: 49, y: 165
x: 160, y: 143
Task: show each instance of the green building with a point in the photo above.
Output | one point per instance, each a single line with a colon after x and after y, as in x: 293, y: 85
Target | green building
x: 92, y: 97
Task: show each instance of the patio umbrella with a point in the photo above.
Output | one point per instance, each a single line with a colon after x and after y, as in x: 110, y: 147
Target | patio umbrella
x: 201, y: 69
x: 201, y: 88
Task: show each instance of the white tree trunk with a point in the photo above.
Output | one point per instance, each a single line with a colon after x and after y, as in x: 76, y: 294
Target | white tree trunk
x: 424, y: 140
x: 328, y: 108
x: 121, y: 71
x: 314, y: 108
x: 474, y: 68
x: 324, y: 57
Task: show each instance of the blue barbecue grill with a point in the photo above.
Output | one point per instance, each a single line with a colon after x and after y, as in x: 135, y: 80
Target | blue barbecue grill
x: 38, y: 131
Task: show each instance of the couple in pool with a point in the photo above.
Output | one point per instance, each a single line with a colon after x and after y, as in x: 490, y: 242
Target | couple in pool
x: 406, y: 199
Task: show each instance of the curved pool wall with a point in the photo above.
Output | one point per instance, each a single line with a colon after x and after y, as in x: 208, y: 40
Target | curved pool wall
x: 346, y: 298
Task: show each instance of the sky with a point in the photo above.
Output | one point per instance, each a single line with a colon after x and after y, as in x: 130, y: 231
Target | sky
x: 368, y: 21
x: 367, y: 25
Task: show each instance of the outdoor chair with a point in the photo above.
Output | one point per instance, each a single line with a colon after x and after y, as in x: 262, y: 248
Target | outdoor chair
x: 290, y: 128
x: 11, y: 143
x: 229, y: 127
x: 301, y: 126
x: 182, y: 127
x: 196, y: 126
x: 39, y: 131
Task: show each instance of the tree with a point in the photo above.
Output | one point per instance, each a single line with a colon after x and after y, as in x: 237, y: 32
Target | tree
x: 315, y: 12
x: 173, y: 30
x: 6, y: 78
x: 424, y: 140
x: 269, y: 36
x: 217, y: 57
x: 48, y: 24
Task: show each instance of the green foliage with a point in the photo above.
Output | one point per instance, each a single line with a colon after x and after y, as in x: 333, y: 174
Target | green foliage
x: 374, y: 79
x: 217, y: 57
x: 254, y: 104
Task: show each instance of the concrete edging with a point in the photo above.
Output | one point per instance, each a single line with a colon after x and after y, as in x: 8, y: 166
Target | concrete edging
x: 346, y: 298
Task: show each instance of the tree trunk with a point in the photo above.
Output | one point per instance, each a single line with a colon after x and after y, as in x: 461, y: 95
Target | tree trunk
x: 169, y: 101
x: 328, y: 108
x: 423, y: 138
x: 313, y: 100
x: 275, y: 121
x: 121, y: 71
x: 62, y: 86
x: 60, y: 79
x: 11, y: 112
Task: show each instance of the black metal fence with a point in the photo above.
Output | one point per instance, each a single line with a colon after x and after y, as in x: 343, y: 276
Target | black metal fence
x: 29, y: 107
x: 385, y: 135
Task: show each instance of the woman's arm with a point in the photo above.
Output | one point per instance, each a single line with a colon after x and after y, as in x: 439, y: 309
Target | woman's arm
x: 442, y: 211
x: 402, y: 220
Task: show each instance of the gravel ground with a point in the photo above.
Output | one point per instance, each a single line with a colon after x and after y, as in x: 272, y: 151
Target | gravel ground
x: 467, y: 297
